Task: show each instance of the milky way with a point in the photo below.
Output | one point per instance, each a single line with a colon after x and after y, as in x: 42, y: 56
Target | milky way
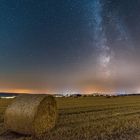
x: 111, y: 63
x: 100, y: 39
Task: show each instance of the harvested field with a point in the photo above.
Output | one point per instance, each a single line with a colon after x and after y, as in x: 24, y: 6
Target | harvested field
x: 89, y: 118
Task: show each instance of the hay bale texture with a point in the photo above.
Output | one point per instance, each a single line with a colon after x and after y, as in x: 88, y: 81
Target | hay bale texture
x: 31, y: 114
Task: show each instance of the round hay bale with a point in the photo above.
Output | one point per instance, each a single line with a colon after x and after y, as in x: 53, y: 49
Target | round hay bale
x: 31, y: 114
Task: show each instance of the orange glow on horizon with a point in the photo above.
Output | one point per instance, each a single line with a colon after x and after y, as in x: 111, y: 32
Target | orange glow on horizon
x: 84, y: 90
x: 26, y: 91
x: 97, y: 89
x: 17, y: 91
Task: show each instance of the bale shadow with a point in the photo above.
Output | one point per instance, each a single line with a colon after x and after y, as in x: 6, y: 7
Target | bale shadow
x: 8, y: 135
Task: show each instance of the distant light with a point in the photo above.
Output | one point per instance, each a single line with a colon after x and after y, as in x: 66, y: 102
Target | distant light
x: 11, y: 97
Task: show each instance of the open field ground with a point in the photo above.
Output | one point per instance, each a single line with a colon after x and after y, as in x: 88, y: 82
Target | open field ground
x: 89, y: 118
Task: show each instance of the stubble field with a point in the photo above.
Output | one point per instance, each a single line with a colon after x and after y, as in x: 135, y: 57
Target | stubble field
x: 88, y: 118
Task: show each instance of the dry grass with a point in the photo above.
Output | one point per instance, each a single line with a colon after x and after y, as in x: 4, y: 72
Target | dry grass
x: 92, y: 118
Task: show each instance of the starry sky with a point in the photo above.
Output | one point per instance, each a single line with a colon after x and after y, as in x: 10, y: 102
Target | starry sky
x: 86, y: 45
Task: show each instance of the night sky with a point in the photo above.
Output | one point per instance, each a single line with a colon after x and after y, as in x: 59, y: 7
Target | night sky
x: 86, y: 45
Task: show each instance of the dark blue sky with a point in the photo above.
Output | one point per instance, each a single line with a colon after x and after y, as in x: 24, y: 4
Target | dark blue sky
x: 72, y: 41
